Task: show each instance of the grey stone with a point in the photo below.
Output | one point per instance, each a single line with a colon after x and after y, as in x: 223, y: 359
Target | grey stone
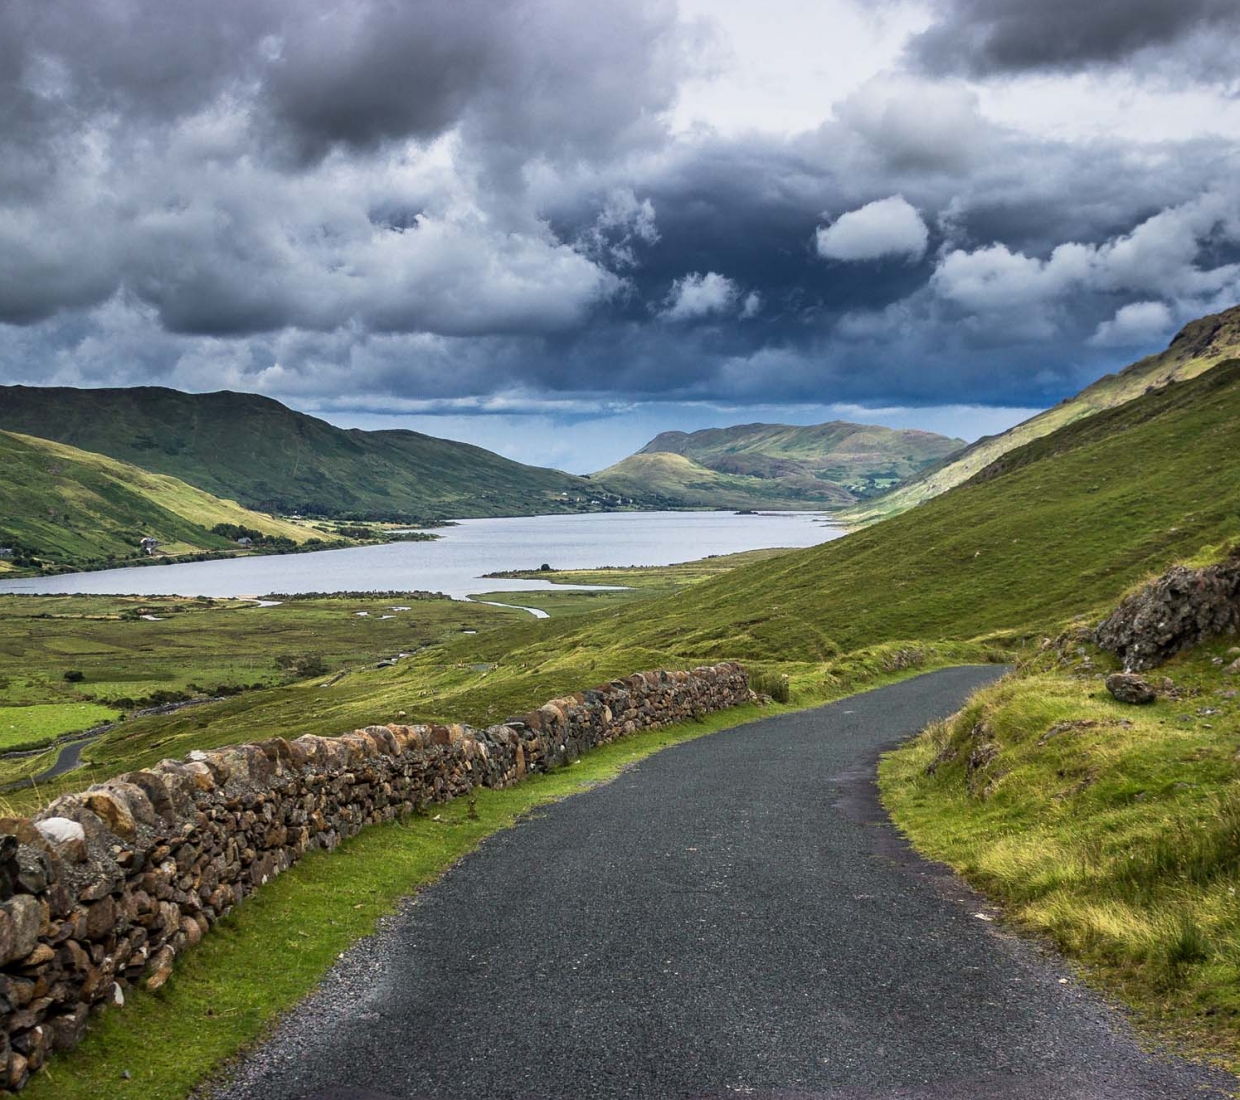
x: 1128, y: 687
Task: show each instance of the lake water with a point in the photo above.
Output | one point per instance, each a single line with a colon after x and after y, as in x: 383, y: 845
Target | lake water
x: 455, y: 563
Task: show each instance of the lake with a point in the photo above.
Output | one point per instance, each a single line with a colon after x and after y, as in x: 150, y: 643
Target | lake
x: 455, y: 563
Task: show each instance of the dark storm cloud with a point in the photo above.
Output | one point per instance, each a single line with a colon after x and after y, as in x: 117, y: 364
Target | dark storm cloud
x: 480, y: 204
x: 1005, y: 36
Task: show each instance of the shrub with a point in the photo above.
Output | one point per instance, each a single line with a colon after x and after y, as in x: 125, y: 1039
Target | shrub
x: 774, y: 684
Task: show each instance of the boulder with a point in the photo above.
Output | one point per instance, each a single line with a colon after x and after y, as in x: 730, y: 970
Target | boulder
x: 1128, y: 687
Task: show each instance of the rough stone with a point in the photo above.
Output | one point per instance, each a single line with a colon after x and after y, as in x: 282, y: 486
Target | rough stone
x: 1180, y: 609
x: 68, y: 837
x: 1128, y: 687
x: 161, y: 968
x: 25, y: 915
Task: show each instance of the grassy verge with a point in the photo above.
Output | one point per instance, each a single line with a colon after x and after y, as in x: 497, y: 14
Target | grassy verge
x: 1113, y: 830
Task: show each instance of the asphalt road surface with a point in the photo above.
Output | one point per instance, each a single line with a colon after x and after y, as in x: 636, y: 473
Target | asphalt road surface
x: 731, y: 918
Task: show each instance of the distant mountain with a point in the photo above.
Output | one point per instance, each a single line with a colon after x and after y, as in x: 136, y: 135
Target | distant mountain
x: 777, y: 465
x: 1200, y: 345
x: 70, y: 507
x: 265, y: 455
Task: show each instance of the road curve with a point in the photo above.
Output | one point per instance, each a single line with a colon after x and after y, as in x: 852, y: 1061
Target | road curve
x: 733, y: 917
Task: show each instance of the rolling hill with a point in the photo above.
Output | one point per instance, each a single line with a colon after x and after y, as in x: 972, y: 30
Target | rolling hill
x: 777, y: 465
x: 1196, y: 348
x: 1055, y: 528
x: 70, y: 507
x: 265, y: 455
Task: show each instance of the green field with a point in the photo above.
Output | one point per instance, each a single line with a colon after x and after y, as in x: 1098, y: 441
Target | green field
x: 1111, y: 830
x: 191, y: 648
x: 31, y: 725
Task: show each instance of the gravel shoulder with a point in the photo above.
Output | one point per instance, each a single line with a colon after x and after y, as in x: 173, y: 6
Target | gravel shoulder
x: 732, y: 917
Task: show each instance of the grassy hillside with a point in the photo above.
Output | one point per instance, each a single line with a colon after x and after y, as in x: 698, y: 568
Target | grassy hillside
x: 679, y: 481
x: 267, y: 456
x: 1196, y: 348
x: 777, y: 465
x: 1060, y: 525
x: 70, y: 507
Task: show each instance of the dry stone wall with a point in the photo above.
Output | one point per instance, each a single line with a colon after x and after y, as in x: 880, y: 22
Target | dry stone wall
x: 106, y: 888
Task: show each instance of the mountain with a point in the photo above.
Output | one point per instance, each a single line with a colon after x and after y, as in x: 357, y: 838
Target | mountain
x: 777, y: 465
x: 70, y: 507
x: 265, y: 455
x: 1196, y: 348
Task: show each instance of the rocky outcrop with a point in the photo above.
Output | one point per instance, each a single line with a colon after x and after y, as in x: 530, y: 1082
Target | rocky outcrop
x: 1179, y: 610
x: 109, y: 887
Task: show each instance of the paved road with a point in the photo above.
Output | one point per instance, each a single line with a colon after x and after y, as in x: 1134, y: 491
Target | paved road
x: 731, y: 918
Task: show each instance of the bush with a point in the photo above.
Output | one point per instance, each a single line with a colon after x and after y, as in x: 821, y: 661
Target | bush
x: 774, y: 684
x: 303, y: 666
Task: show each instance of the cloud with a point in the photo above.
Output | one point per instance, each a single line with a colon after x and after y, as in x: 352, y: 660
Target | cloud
x: 448, y: 203
x: 982, y: 37
x: 1163, y: 254
x: 695, y: 296
x: 885, y: 228
x: 917, y: 125
x: 1137, y: 324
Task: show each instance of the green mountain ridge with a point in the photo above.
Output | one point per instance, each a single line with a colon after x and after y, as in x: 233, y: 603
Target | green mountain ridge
x: 777, y: 465
x: 267, y: 456
x: 1198, y: 346
x: 66, y: 506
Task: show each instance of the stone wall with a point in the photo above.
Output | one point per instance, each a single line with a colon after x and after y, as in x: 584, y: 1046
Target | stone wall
x: 106, y: 888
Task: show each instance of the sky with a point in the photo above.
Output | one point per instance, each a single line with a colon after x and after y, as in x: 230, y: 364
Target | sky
x: 556, y: 228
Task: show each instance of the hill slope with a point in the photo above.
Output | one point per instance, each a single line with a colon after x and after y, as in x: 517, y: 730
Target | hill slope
x: 680, y: 481
x: 71, y: 507
x: 1196, y: 348
x: 1065, y: 523
x: 777, y: 465
x: 257, y: 451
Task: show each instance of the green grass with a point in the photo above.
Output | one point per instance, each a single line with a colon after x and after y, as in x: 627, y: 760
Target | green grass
x: 218, y: 999
x: 27, y: 727
x: 1113, y: 830
x: 1059, y: 528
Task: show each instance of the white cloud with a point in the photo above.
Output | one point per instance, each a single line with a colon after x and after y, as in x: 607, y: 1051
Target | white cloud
x: 695, y: 296
x: 1160, y: 256
x: 1134, y: 325
x: 887, y: 228
x: 751, y: 306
